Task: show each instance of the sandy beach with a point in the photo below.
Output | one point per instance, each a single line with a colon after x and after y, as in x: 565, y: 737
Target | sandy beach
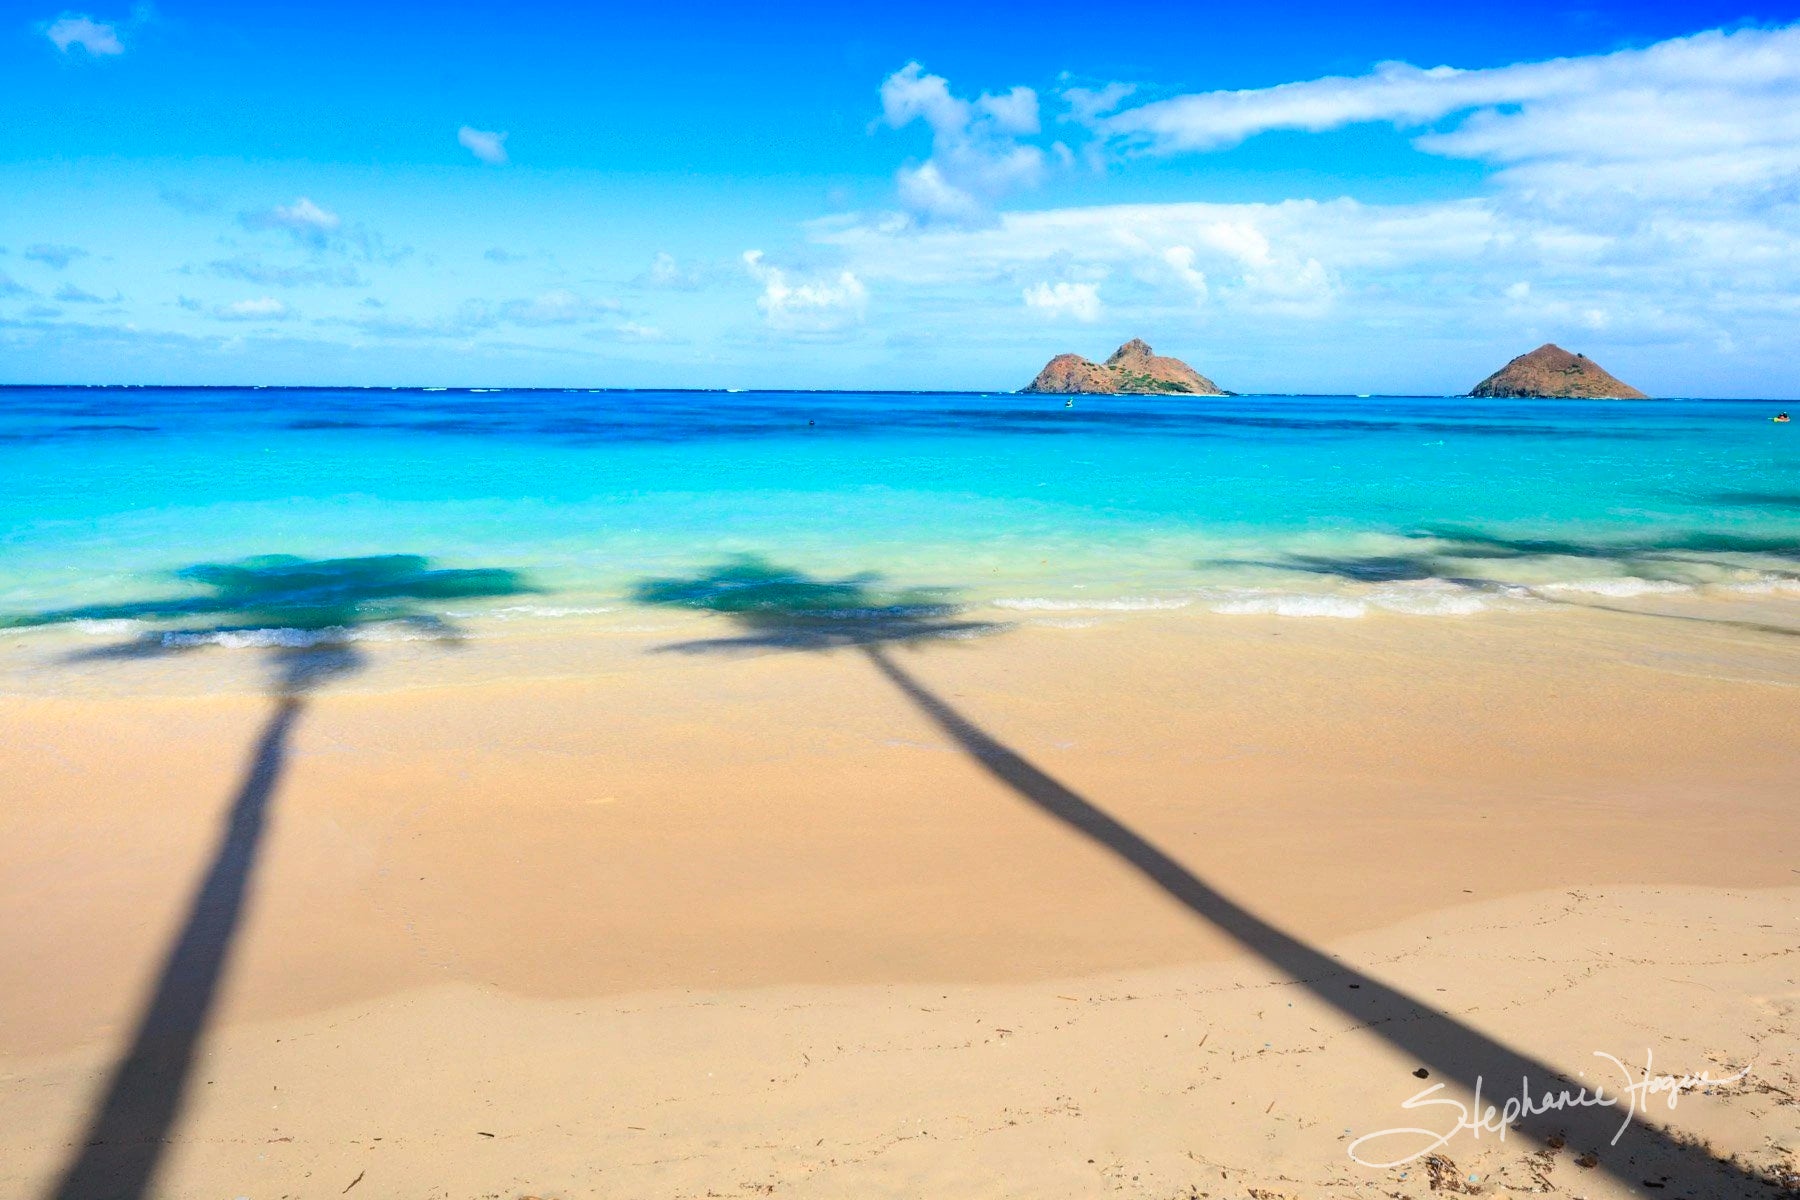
x: 1165, y: 906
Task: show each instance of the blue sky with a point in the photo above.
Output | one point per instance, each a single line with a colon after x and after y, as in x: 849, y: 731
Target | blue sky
x: 1294, y: 199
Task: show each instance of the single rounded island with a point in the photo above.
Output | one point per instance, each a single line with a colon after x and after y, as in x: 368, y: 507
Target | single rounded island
x: 1552, y: 373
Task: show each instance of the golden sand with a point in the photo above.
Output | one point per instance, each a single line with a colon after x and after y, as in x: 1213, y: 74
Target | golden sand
x: 669, y: 924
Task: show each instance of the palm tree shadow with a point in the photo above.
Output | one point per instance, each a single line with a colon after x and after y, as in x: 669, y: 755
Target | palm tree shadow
x: 1448, y: 554
x: 781, y: 609
x: 1643, y: 1154
x: 306, y: 613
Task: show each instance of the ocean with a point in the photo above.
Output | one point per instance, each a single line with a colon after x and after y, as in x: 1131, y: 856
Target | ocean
x: 122, y: 503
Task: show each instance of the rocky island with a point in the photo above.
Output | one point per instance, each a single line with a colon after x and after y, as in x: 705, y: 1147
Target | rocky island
x: 1133, y: 367
x: 1552, y: 373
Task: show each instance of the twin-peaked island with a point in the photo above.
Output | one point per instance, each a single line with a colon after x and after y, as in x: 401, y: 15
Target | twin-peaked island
x: 1134, y: 367
x: 1549, y: 373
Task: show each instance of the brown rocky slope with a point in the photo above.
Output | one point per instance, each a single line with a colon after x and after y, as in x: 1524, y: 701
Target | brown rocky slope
x: 1552, y: 373
x: 1133, y: 367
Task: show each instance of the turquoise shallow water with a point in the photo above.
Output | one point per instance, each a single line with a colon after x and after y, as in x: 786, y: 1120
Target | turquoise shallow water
x: 1297, y: 505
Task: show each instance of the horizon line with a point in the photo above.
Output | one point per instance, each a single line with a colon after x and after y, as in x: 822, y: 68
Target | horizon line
x: 804, y: 391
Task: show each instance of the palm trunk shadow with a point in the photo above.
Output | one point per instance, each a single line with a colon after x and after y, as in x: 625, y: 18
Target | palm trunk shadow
x: 322, y: 601
x: 129, y: 1131
x: 1434, y: 1038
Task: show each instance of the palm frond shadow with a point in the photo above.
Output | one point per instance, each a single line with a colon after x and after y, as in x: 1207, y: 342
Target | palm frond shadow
x: 305, y: 613
x: 780, y: 609
x: 1455, y: 1051
x: 1448, y: 555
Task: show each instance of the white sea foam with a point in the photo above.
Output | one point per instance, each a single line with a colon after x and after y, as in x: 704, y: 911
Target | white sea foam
x: 1123, y: 604
x: 969, y: 634
x: 1629, y: 585
x: 515, y: 611
x: 245, y: 639
x: 1465, y: 605
x: 1437, y: 598
x: 1291, y: 604
x: 251, y: 639
x: 1431, y: 597
x: 114, y: 628
x: 1765, y: 586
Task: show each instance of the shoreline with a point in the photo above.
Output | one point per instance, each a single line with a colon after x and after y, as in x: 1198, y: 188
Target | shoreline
x: 523, y: 641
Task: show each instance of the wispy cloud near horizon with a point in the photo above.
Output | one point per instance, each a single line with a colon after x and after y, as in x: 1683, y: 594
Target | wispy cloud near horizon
x: 309, y: 225
x: 254, y: 270
x: 54, y: 256
x: 321, y: 231
x: 262, y: 308
x: 489, y: 147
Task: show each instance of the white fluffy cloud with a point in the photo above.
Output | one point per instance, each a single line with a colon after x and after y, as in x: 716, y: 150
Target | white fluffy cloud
x: 489, y: 147
x: 976, y: 156
x: 1078, y: 300
x: 1691, y: 116
x: 97, y: 38
x: 1270, y: 258
x: 1180, y: 260
x: 809, y: 306
x: 1334, y: 270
